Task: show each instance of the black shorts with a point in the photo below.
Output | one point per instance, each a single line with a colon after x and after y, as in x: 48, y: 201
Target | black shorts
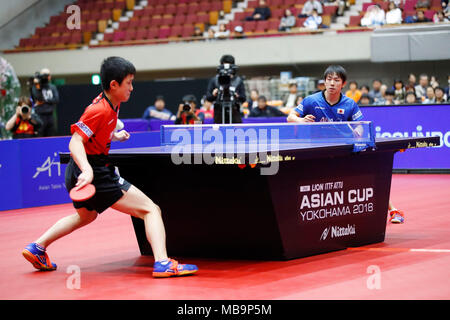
x: 108, y: 186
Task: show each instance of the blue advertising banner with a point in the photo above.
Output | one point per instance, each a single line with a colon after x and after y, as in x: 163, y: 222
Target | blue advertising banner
x: 414, y: 121
x: 10, y: 179
x: 31, y: 174
x: 42, y: 175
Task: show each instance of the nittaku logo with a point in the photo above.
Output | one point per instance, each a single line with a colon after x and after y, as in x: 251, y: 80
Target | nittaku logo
x: 325, y: 233
x: 337, y: 231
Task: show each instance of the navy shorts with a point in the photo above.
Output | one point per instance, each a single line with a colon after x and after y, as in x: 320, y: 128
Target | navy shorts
x: 108, y: 186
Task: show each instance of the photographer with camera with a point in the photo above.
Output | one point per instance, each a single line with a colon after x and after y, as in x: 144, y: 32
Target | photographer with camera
x: 45, y: 97
x: 24, y: 123
x: 227, y: 91
x: 186, y: 111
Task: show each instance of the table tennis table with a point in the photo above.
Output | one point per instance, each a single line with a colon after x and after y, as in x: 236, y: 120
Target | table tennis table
x: 289, y: 199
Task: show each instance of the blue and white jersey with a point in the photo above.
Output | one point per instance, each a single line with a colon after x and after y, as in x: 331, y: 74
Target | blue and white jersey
x: 345, y: 109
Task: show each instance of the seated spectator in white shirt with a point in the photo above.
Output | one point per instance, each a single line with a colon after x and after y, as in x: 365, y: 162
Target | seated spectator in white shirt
x: 290, y: 99
x: 394, y: 15
x: 308, y: 8
x: 313, y: 21
x: 373, y: 17
x: 223, y: 33
x: 430, y: 98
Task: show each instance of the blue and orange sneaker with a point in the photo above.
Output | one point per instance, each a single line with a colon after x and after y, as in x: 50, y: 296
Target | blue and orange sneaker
x: 38, y: 257
x: 396, y: 216
x: 171, y: 268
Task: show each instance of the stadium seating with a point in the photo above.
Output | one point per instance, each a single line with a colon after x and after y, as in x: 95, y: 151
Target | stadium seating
x: 174, y: 19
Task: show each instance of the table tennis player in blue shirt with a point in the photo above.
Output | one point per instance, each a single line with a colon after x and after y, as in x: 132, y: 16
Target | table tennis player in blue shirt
x: 332, y: 105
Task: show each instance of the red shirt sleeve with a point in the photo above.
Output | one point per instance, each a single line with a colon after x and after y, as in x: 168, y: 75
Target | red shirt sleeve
x: 89, y: 122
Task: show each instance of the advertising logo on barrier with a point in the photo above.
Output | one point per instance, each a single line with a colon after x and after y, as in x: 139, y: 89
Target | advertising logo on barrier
x: 408, y: 121
x: 332, y: 200
x: 338, y: 231
x: 42, y: 172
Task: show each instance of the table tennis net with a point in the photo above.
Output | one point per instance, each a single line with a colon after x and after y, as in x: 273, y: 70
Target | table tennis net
x: 358, y: 133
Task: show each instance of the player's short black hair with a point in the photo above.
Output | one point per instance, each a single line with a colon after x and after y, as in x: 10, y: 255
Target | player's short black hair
x: 159, y: 98
x: 115, y: 68
x: 335, y: 69
x: 227, y: 58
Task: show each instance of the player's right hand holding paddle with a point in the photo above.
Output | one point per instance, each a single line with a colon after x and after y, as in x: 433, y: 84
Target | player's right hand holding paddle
x: 83, y: 189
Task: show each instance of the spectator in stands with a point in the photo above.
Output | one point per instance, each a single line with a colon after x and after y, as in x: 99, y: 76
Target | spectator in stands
x: 399, y: 90
x: 439, y: 95
x: 158, y: 111
x: 186, y: 111
x: 264, y: 110
x: 314, y: 21
x: 365, y: 100
x: 239, y: 33
x: 374, y: 17
x: 308, y: 8
x: 320, y: 86
x: 421, y: 88
x: 253, y: 102
x: 45, y: 97
x: 211, y: 34
x: 394, y: 14
x: 300, y: 99
x: 262, y: 12
x: 423, y: 4
x: 24, y: 123
x: 433, y: 82
x: 389, y: 97
x: 353, y: 92
x: 410, y: 97
x: 287, y: 21
x: 382, y: 99
x: 364, y: 89
x: 419, y: 17
x: 198, y: 32
x: 375, y: 93
x: 439, y: 17
x: 222, y: 33
x: 411, y: 82
x: 290, y: 98
x: 206, y: 111
x: 430, y: 98
x: 446, y: 10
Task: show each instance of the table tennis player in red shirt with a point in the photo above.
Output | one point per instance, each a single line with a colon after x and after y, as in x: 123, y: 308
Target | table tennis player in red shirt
x: 89, y: 148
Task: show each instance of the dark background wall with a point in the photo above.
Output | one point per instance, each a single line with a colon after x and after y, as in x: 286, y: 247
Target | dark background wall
x: 75, y: 98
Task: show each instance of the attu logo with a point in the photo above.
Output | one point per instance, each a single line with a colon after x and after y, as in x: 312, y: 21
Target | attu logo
x: 47, y: 166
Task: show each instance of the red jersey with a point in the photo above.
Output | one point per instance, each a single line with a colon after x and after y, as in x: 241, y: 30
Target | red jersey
x: 96, y: 125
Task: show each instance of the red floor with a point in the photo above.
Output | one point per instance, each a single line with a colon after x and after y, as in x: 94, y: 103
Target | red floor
x: 111, y: 267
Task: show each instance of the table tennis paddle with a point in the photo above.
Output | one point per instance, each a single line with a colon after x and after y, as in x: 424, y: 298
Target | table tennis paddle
x: 83, y: 193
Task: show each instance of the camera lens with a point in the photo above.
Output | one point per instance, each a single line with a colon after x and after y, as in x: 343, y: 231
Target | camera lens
x: 186, y: 107
x: 25, y: 109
